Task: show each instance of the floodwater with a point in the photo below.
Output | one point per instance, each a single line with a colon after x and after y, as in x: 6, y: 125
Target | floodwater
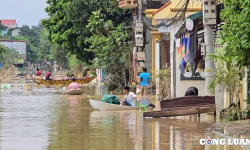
x: 45, y: 119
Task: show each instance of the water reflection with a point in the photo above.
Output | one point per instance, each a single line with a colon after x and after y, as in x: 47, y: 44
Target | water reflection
x: 42, y: 119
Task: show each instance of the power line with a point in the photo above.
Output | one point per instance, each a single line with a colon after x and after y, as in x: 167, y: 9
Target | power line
x: 179, y: 15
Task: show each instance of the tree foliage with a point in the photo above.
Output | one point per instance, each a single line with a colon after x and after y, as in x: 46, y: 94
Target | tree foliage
x: 44, y: 48
x: 227, y: 75
x: 108, y: 44
x: 163, y: 79
x: 10, y: 58
x: 236, y: 31
x: 68, y: 21
x: 60, y: 55
x: 2, y: 27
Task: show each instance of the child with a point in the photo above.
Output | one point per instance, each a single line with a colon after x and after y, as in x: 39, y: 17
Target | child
x: 130, y: 98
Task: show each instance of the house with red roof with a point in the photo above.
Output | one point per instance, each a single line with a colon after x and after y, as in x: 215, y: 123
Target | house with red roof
x: 8, y: 24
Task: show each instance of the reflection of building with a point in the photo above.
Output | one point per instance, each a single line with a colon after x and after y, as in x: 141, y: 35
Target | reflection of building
x: 20, y: 47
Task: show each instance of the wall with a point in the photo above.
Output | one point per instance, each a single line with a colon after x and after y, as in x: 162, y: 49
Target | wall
x: 170, y: 10
x: 192, y: 4
x: 15, y: 32
x: 18, y: 46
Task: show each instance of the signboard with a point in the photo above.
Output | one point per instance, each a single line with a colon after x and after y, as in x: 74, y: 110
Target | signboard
x: 189, y: 24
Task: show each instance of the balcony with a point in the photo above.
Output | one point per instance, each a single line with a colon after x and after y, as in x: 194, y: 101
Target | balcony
x: 127, y: 4
x: 156, y: 4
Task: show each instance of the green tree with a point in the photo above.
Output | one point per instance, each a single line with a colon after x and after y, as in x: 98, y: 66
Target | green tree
x: 68, y: 21
x: 227, y: 75
x: 236, y: 31
x: 108, y: 43
x: 60, y: 55
x: 2, y: 27
x: 10, y: 58
x: 44, y: 48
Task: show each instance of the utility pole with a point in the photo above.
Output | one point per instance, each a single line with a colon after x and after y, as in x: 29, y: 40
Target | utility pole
x: 140, y: 9
x: 209, y: 63
x: 209, y: 18
x: 139, y: 41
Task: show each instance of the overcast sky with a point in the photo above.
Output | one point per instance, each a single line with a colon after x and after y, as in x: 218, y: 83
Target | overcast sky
x: 27, y: 12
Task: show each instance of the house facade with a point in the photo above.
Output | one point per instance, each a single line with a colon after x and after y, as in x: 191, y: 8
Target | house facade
x: 19, y: 46
x: 9, y: 24
x: 15, y: 31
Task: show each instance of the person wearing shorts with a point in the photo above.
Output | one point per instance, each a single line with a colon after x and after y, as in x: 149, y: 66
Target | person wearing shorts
x: 144, y: 81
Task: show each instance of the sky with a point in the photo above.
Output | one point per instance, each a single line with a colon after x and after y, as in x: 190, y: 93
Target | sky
x: 27, y: 12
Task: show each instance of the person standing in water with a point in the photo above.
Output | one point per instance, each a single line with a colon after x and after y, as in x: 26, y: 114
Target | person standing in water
x: 73, y: 86
x: 144, y: 81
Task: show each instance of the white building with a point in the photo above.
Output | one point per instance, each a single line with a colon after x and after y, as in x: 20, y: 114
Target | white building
x: 19, y: 46
x: 15, y: 31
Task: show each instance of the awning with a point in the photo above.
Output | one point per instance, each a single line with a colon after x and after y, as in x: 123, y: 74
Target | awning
x: 193, y: 17
x: 183, y: 25
x: 196, y: 15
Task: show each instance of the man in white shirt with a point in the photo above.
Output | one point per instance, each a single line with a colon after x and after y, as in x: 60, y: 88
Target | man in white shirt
x: 130, y: 98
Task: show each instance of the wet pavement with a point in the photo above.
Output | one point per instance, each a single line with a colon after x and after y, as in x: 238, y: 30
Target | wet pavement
x: 45, y: 119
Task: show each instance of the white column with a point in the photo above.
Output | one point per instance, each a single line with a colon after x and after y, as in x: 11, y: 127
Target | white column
x: 157, y: 65
x: 157, y: 57
x: 209, y: 63
x: 172, y: 67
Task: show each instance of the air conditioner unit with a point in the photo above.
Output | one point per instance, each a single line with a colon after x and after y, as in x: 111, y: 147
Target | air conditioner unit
x: 209, y: 12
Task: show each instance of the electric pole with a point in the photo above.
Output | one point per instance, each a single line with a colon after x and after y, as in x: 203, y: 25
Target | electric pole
x: 209, y: 18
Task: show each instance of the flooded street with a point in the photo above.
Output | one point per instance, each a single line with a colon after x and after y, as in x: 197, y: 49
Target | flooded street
x: 45, y: 119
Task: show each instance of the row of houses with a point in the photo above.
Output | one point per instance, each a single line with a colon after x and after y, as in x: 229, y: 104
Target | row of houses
x: 166, y: 43
x: 18, y: 45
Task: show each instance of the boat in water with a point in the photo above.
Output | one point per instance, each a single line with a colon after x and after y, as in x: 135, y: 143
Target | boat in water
x: 84, y: 80
x: 74, y: 92
x: 98, y: 105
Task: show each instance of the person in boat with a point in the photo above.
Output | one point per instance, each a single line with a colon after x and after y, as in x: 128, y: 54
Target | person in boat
x: 73, y: 86
x: 130, y: 98
x: 48, y: 76
x: 38, y: 73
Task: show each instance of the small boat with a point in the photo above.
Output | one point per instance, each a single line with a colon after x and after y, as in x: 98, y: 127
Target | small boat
x: 74, y: 92
x: 98, y: 105
x: 85, y: 80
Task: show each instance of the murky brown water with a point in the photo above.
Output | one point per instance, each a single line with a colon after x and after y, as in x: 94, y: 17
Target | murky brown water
x: 46, y: 119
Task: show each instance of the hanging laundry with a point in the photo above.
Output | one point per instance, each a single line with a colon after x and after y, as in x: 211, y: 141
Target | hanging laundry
x: 182, y: 66
x: 183, y: 47
x: 183, y: 63
x: 193, y: 56
x: 188, y: 47
x: 179, y: 51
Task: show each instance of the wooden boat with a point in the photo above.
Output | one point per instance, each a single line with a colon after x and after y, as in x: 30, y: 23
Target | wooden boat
x: 62, y: 82
x: 74, y: 92
x: 98, y: 105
